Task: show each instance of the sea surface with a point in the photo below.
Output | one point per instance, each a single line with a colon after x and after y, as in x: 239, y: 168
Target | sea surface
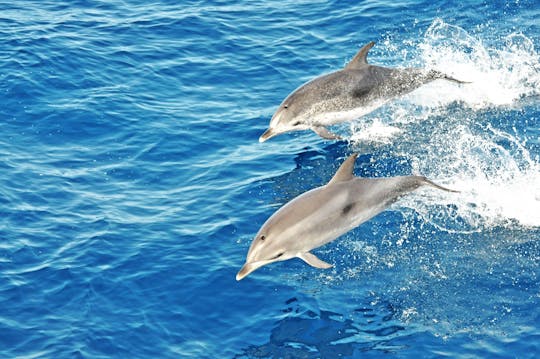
x: 132, y: 180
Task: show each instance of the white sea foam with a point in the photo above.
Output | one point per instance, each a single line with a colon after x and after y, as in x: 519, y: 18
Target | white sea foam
x: 498, y: 75
x: 373, y: 131
x: 494, y: 168
x: 499, y: 184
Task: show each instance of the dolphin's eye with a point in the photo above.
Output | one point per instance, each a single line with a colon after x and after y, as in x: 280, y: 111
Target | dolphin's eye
x: 279, y: 255
x: 263, y: 238
x: 285, y: 107
x: 296, y: 123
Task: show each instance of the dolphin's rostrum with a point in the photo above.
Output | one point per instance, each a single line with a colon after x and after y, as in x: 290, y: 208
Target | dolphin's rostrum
x: 345, y: 95
x: 323, y: 214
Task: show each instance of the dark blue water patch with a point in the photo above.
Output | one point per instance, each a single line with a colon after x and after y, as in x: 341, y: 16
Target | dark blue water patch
x: 12, y: 337
x: 309, y: 334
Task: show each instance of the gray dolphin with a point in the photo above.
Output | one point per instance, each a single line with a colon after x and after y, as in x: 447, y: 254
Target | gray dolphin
x: 323, y: 214
x: 345, y: 95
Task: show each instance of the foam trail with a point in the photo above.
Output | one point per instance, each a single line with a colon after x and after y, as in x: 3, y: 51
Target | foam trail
x: 500, y: 184
x: 451, y: 134
x: 499, y: 76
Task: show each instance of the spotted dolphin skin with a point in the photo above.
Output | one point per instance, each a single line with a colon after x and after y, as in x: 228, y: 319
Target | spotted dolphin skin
x: 345, y: 95
x: 323, y: 214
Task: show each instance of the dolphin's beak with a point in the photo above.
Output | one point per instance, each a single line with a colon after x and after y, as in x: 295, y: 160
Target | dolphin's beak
x: 267, y: 134
x: 248, y: 268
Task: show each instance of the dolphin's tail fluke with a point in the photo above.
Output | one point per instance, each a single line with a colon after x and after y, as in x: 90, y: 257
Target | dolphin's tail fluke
x: 433, y: 184
x: 435, y: 75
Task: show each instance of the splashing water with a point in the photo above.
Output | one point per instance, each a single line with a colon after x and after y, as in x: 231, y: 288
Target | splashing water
x: 443, y: 128
x: 374, y: 131
x: 498, y: 184
x: 498, y: 77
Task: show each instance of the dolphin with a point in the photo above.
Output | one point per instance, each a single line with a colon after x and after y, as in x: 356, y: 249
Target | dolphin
x: 345, y: 95
x: 323, y: 214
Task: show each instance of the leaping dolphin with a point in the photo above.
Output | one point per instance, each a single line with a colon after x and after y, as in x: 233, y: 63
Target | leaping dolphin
x: 323, y: 214
x: 345, y: 95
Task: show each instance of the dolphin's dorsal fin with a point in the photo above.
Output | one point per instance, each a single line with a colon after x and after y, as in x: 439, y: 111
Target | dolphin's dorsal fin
x: 345, y: 171
x: 313, y: 260
x: 360, y: 59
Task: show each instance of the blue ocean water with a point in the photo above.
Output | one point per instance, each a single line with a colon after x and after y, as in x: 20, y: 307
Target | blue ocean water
x: 132, y: 181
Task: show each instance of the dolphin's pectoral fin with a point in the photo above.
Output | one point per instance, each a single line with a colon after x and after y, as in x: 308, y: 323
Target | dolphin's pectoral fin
x: 324, y: 133
x: 313, y: 261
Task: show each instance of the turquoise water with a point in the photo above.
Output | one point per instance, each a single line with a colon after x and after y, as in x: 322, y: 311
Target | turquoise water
x: 132, y: 181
